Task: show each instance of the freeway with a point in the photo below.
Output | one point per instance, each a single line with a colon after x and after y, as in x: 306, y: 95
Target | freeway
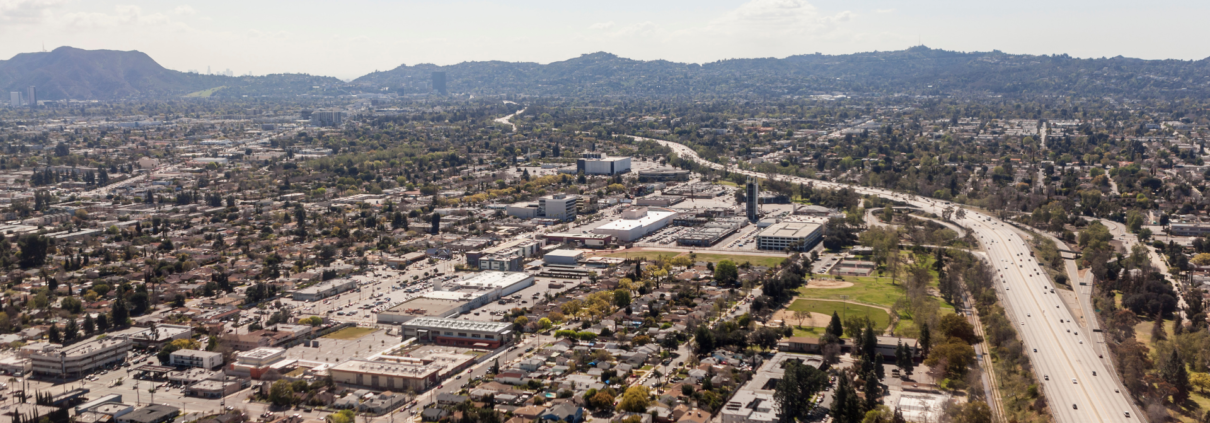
x: 1078, y: 385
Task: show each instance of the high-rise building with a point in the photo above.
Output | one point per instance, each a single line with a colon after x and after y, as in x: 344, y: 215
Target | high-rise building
x: 559, y: 206
x: 31, y: 96
x: 752, y: 192
x: 14, y: 99
x: 439, y: 82
x: 327, y: 118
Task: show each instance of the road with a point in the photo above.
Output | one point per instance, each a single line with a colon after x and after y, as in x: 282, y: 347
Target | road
x: 1024, y: 290
x: 507, y: 119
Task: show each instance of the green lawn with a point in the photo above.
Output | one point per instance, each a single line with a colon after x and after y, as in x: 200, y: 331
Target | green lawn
x: 880, y: 317
x: 728, y: 183
x: 865, y: 289
x: 645, y: 255
x: 205, y: 93
x: 350, y: 333
x: 1142, y: 331
x: 808, y: 331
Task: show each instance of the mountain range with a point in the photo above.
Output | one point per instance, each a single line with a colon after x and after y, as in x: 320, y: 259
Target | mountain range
x: 69, y: 73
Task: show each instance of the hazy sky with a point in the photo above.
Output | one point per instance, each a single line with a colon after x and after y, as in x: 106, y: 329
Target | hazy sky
x: 349, y: 38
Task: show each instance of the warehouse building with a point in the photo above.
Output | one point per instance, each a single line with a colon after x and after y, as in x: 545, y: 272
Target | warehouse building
x: 636, y: 223
x: 324, y: 290
x: 582, y: 240
x: 563, y: 257
x: 663, y: 174
x: 798, y: 236
x: 461, y: 333
x: 405, y: 374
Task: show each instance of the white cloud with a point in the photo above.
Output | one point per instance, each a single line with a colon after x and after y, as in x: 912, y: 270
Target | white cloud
x: 884, y: 11
x: 602, y: 25
x: 184, y: 10
x: 639, y: 29
x: 777, y: 18
x: 26, y: 11
x: 123, y: 16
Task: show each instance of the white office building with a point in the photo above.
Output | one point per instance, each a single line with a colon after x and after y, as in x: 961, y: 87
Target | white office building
x: 798, y: 236
x: 601, y: 164
x: 54, y: 360
x: 195, y: 358
x: 558, y: 206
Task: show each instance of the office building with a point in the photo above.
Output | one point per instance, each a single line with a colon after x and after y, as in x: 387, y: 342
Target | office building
x: 31, y: 97
x: 254, y: 364
x: 195, y: 358
x: 563, y: 257
x: 797, y: 236
x: 580, y: 240
x: 1188, y: 229
x: 462, y: 333
x: 52, y: 360
x: 327, y: 118
x: 752, y: 196
x: 636, y: 223
x: 559, y: 206
x: 155, y: 413
x: 663, y: 174
x: 601, y: 164
x: 523, y: 210
x: 14, y: 99
x: 439, y: 83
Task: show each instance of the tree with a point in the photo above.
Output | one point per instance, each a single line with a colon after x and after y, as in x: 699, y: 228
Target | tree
x: 71, y: 331
x: 726, y: 273
x: 835, y: 327
x: 951, y: 359
x: 1202, y: 259
x: 621, y: 298
x: 926, y: 339
x: 600, y: 401
x: 33, y: 251
x: 703, y: 340
x: 90, y: 326
x: 120, y: 315
x: 846, y: 408
x: 52, y: 334
x: 1174, y: 372
x: 281, y: 393
x: 799, y: 381
x: 1201, y: 381
x: 636, y: 399
x: 971, y: 412
x: 102, y: 322
x: 956, y: 326
x: 873, y: 391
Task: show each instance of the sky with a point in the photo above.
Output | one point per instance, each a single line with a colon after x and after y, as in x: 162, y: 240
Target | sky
x: 350, y: 38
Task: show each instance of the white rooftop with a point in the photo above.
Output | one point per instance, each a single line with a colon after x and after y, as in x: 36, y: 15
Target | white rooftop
x: 627, y: 224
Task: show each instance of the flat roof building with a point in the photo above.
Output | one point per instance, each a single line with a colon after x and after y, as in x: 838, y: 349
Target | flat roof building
x: 797, y: 236
x: 462, y: 333
x: 603, y: 165
x: 636, y: 223
x: 563, y: 257
x: 155, y: 413
x: 405, y: 374
x: 80, y: 359
x: 324, y: 290
x: 559, y: 206
x: 195, y: 358
x: 582, y: 240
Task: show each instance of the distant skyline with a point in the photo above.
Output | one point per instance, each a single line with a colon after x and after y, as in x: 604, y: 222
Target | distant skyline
x: 351, y: 38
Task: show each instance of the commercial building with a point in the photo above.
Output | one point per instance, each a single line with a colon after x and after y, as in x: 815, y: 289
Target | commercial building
x: 404, y: 374
x: 215, y: 388
x: 751, y: 200
x: 324, y: 290
x: 754, y: 402
x: 31, y: 97
x: 327, y: 118
x: 636, y: 223
x: 798, y: 236
x: 601, y: 164
x: 456, y: 297
x: 563, y: 257
x: 697, y: 190
x: 462, y: 333
x: 523, y: 210
x: 504, y: 262
x: 581, y: 240
x: 1188, y: 229
x: 14, y: 99
x: 659, y: 200
x: 663, y: 174
x: 155, y: 413
x: 501, y: 283
x: 255, y: 363
x: 195, y: 358
x: 53, y: 360
x: 558, y: 206
x: 439, y: 83
x: 164, y: 333
x: 852, y: 268
x: 432, y: 304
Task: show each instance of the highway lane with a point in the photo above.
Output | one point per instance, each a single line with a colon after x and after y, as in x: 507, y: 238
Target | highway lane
x: 1025, y: 290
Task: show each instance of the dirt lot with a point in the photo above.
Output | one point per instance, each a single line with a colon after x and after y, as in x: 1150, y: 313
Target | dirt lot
x: 817, y: 320
x: 828, y: 284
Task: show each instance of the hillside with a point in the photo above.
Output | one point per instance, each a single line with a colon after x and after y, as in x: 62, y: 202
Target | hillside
x: 71, y: 73
x: 916, y: 71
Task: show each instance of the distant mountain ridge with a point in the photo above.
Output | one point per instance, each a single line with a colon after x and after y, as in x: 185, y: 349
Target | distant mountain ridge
x: 70, y: 73
x: 915, y: 71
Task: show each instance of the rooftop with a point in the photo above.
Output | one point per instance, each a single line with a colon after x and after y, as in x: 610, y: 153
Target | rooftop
x: 790, y: 229
x: 439, y: 323
x: 492, y: 280
x: 261, y: 353
x: 406, y: 369
x: 627, y: 224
